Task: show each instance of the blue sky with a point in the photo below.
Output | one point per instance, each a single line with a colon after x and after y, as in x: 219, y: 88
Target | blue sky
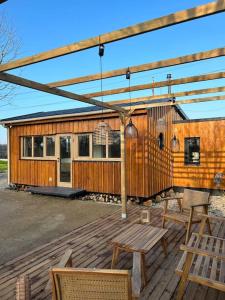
x: 44, y: 25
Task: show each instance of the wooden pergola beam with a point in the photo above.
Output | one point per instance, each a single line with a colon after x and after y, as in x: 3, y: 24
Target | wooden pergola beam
x: 151, y: 25
x: 58, y: 92
x: 144, y: 67
x: 158, y: 84
x: 219, y: 89
x: 180, y: 102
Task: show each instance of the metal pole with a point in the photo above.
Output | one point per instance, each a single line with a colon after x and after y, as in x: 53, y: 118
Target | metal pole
x: 123, y: 167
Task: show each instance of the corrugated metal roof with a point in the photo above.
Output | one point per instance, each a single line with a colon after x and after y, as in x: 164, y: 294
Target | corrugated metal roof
x: 86, y: 109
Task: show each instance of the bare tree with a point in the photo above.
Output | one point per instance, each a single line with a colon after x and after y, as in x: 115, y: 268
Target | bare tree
x: 9, y: 46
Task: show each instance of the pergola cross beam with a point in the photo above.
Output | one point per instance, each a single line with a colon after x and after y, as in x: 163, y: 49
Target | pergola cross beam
x: 159, y: 84
x: 180, y: 102
x: 218, y: 89
x: 214, y: 53
x: 148, y: 26
x: 58, y: 92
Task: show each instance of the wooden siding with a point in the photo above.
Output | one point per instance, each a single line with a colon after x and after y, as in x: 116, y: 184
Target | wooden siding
x: 160, y: 161
x: 149, y: 169
x: 96, y: 176
x: 212, y: 154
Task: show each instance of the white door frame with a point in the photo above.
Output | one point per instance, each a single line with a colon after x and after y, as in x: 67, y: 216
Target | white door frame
x: 59, y: 183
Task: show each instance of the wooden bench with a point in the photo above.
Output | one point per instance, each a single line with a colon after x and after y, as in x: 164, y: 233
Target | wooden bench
x: 203, y: 260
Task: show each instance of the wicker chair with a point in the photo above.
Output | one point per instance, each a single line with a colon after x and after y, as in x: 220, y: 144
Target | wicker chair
x: 80, y: 284
x: 70, y: 283
x: 191, y: 203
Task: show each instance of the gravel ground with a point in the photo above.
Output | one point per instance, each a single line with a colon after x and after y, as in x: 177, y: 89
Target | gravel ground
x: 217, y: 205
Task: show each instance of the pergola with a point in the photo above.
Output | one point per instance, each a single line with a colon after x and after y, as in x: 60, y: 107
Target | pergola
x: 124, y: 112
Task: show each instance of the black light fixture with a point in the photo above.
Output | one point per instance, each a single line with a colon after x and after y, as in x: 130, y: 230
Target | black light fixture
x: 130, y: 129
x: 128, y: 74
x: 101, y: 50
x: 103, y: 131
x: 161, y: 141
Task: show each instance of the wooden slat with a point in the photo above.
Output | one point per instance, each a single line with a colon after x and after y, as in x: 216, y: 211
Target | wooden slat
x: 222, y: 268
x: 159, y: 84
x: 55, y: 91
x: 144, y: 67
x: 155, y: 24
x: 178, y: 94
x: 200, y: 259
x: 215, y: 261
x: 180, y: 102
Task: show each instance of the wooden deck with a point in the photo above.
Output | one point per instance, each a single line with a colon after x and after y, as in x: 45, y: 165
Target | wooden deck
x: 91, y: 247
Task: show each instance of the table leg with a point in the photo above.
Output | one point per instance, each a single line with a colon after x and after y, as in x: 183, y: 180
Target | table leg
x: 164, y: 245
x: 143, y: 269
x: 136, y: 274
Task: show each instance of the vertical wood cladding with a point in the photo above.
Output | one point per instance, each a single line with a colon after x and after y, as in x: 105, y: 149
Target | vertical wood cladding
x: 148, y: 169
x: 212, y: 154
x: 160, y: 161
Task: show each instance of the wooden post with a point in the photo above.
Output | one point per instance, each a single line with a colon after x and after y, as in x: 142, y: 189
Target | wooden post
x: 123, y: 167
x: 8, y: 153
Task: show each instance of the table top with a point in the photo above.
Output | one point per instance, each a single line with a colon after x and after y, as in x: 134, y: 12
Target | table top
x: 139, y: 238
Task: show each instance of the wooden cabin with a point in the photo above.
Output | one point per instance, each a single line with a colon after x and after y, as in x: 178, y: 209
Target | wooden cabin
x: 56, y: 149
x: 202, y: 153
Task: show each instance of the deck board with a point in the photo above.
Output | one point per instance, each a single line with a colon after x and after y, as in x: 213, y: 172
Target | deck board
x: 91, y: 248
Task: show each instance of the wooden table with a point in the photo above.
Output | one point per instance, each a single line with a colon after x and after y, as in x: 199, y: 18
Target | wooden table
x: 138, y: 239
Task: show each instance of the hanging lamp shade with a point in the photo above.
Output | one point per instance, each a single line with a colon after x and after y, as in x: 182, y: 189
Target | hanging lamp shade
x: 131, y: 130
x: 175, y: 144
x: 101, y: 133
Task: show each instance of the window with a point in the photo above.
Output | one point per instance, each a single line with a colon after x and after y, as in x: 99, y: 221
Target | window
x: 114, y: 146
x: 192, y: 151
x: 27, y: 146
x: 86, y: 149
x: 38, y: 146
x: 50, y: 146
x: 83, y: 145
x: 99, y: 151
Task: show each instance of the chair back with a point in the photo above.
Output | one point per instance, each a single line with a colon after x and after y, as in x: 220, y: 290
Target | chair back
x: 192, y: 197
x: 80, y: 284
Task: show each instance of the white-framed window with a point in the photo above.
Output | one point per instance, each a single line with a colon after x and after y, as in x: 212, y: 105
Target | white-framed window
x: 84, y: 145
x: 86, y: 149
x: 38, y: 147
x: 50, y: 143
x: 27, y: 146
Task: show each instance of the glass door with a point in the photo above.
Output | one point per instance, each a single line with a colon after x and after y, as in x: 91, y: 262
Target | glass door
x: 64, y: 161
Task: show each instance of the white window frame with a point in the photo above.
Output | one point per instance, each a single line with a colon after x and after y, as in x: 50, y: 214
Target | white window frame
x: 90, y: 157
x: 44, y: 157
x: 52, y: 157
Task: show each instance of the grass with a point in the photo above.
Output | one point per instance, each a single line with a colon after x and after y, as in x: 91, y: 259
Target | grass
x: 3, y: 166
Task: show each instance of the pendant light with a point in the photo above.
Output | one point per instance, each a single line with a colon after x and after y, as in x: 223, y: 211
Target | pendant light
x: 175, y: 144
x: 103, y: 131
x: 130, y: 129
